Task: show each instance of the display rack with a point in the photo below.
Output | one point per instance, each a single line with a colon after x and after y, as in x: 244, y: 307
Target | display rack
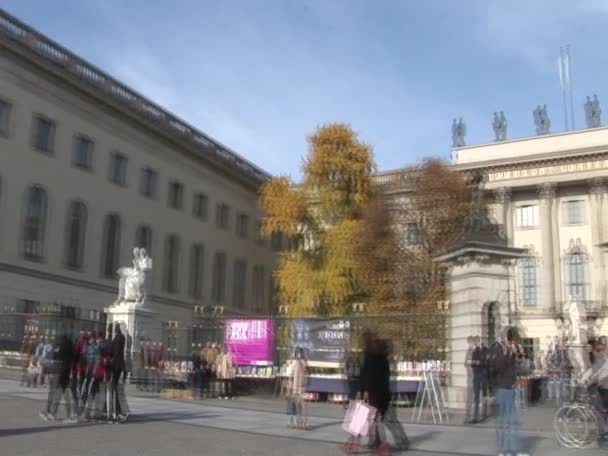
x: 430, y: 398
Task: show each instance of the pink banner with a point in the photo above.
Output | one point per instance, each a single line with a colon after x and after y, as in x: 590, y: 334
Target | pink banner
x: 250, y: 342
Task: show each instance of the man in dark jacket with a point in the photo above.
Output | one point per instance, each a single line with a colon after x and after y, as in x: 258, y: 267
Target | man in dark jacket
x: 118, y: 367
x: 64, y: 358
x: 508, y: 421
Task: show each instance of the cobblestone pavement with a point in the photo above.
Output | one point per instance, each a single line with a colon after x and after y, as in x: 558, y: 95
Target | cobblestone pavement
x: 186, y: 428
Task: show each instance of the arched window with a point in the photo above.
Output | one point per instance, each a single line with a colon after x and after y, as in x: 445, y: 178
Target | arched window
x: 529, y: 284
x: 75, y: 234
x: 111, y: 246
x: 143, y: 238
x: 171, y: 264
x: 576, y: 275
x: 34, y: 223
x: 197, y: 256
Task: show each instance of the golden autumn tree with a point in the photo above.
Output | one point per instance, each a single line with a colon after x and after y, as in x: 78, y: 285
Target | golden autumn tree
x: 402, y: 230
x: 317, y: 274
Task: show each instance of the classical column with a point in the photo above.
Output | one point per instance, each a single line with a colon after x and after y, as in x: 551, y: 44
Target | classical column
x: 597, y: 197
x: 503, y: 212
x: 546, y: 193
x: 558, y: 286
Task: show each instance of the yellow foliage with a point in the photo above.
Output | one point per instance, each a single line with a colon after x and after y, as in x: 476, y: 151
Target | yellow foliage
x: 317, y: 276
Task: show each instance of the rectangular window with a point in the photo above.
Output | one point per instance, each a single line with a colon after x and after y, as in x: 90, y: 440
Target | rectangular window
x: 218, y: 286
x: 83, y: 152
x: 239, y: 283
x: 197, y: 256
x: 149, y: 182
x: 176, y: 195
x: 526, y: 216
x: 276, y: 241
x: 259, y: 237
x: 222, y: 216
x: 200, y: 204
x: 44, y: 134
x: 411, y: 233
x: 258, y: 287
x: 576, y: 276
x: 5, y: 117
x: 528, y: 268
x: 118, y: 169
x: 574, y: 212
x: 242, y: 225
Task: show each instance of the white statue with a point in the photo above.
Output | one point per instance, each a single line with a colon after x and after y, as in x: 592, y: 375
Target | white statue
x: 132, y: 282
x: 496, y: 127
x: 500, y: 126
x: 596, y: 113
x: 588, y: 112
x: 503, y: 126
x: 577, y: 317
x: 459, y: 130
x: 541, y: 120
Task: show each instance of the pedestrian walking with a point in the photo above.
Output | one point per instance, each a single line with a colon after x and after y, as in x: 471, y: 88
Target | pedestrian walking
x: 375, y: 389
x: 296, y: 387
x: 118, y: 367
x: 64, y: 356
x: 225, y: 374
x: 508, y: 420
x: 196, y: 380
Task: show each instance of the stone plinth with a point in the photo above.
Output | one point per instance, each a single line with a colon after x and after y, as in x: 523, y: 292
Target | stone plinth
x: 136, y: 322
x: 479, y: 275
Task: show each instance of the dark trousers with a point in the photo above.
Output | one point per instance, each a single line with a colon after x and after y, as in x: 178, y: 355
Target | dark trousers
x: 117, y: 373
x: 76, y: 386
x: 227, y: 387
x: 205, y: 381
x: 477, y: 388
x: 603, y: 405
x: 196, y: 383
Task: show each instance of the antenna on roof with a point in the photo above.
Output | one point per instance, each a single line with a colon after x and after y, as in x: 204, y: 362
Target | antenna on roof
x: 565, y: 78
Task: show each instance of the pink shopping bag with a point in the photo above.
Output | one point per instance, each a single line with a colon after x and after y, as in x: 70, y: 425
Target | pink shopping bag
x: 359, y: 418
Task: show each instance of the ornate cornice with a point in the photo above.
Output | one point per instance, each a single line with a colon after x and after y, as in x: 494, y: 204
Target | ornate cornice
x: 46, y: 54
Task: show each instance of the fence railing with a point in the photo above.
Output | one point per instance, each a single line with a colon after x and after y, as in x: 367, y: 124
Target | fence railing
x: 13, y: 29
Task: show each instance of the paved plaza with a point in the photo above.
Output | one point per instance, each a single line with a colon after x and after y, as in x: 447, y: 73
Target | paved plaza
x: 217, y: 428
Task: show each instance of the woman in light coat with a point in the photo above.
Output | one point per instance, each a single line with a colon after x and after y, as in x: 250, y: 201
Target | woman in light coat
x: 225, y: 373
x: 297, y: 388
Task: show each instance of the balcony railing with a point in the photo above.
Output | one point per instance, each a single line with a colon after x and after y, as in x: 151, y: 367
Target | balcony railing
x: 13, y: 29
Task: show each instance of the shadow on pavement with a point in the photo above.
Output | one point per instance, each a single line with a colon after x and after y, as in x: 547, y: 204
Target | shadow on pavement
x: 321, y: 426
x: 164, y: 416
x: 420, y: 438
x: 40, y: 429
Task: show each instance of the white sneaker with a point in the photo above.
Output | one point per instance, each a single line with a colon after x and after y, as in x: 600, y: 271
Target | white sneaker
x: 70, y: 420
x: 44, y: 416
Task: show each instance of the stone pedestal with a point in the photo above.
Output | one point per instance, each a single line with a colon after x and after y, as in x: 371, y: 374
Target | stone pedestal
x: 136, y: 322
x: 479, y: 281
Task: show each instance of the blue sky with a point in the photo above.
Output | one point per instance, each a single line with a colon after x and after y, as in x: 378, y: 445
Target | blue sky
x: 259, y: 75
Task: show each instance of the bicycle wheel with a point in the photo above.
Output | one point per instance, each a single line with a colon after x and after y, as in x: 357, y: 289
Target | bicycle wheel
x: 576, y: 426
x: 560, y: 426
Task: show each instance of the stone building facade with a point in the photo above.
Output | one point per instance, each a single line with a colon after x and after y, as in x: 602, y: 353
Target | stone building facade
x: 90, y: 169
x: 549, y: 195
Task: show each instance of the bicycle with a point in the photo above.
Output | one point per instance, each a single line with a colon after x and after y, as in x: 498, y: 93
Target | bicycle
x: 577, y: 424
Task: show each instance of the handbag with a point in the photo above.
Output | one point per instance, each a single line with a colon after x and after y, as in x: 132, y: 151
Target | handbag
x: 359, y: 418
